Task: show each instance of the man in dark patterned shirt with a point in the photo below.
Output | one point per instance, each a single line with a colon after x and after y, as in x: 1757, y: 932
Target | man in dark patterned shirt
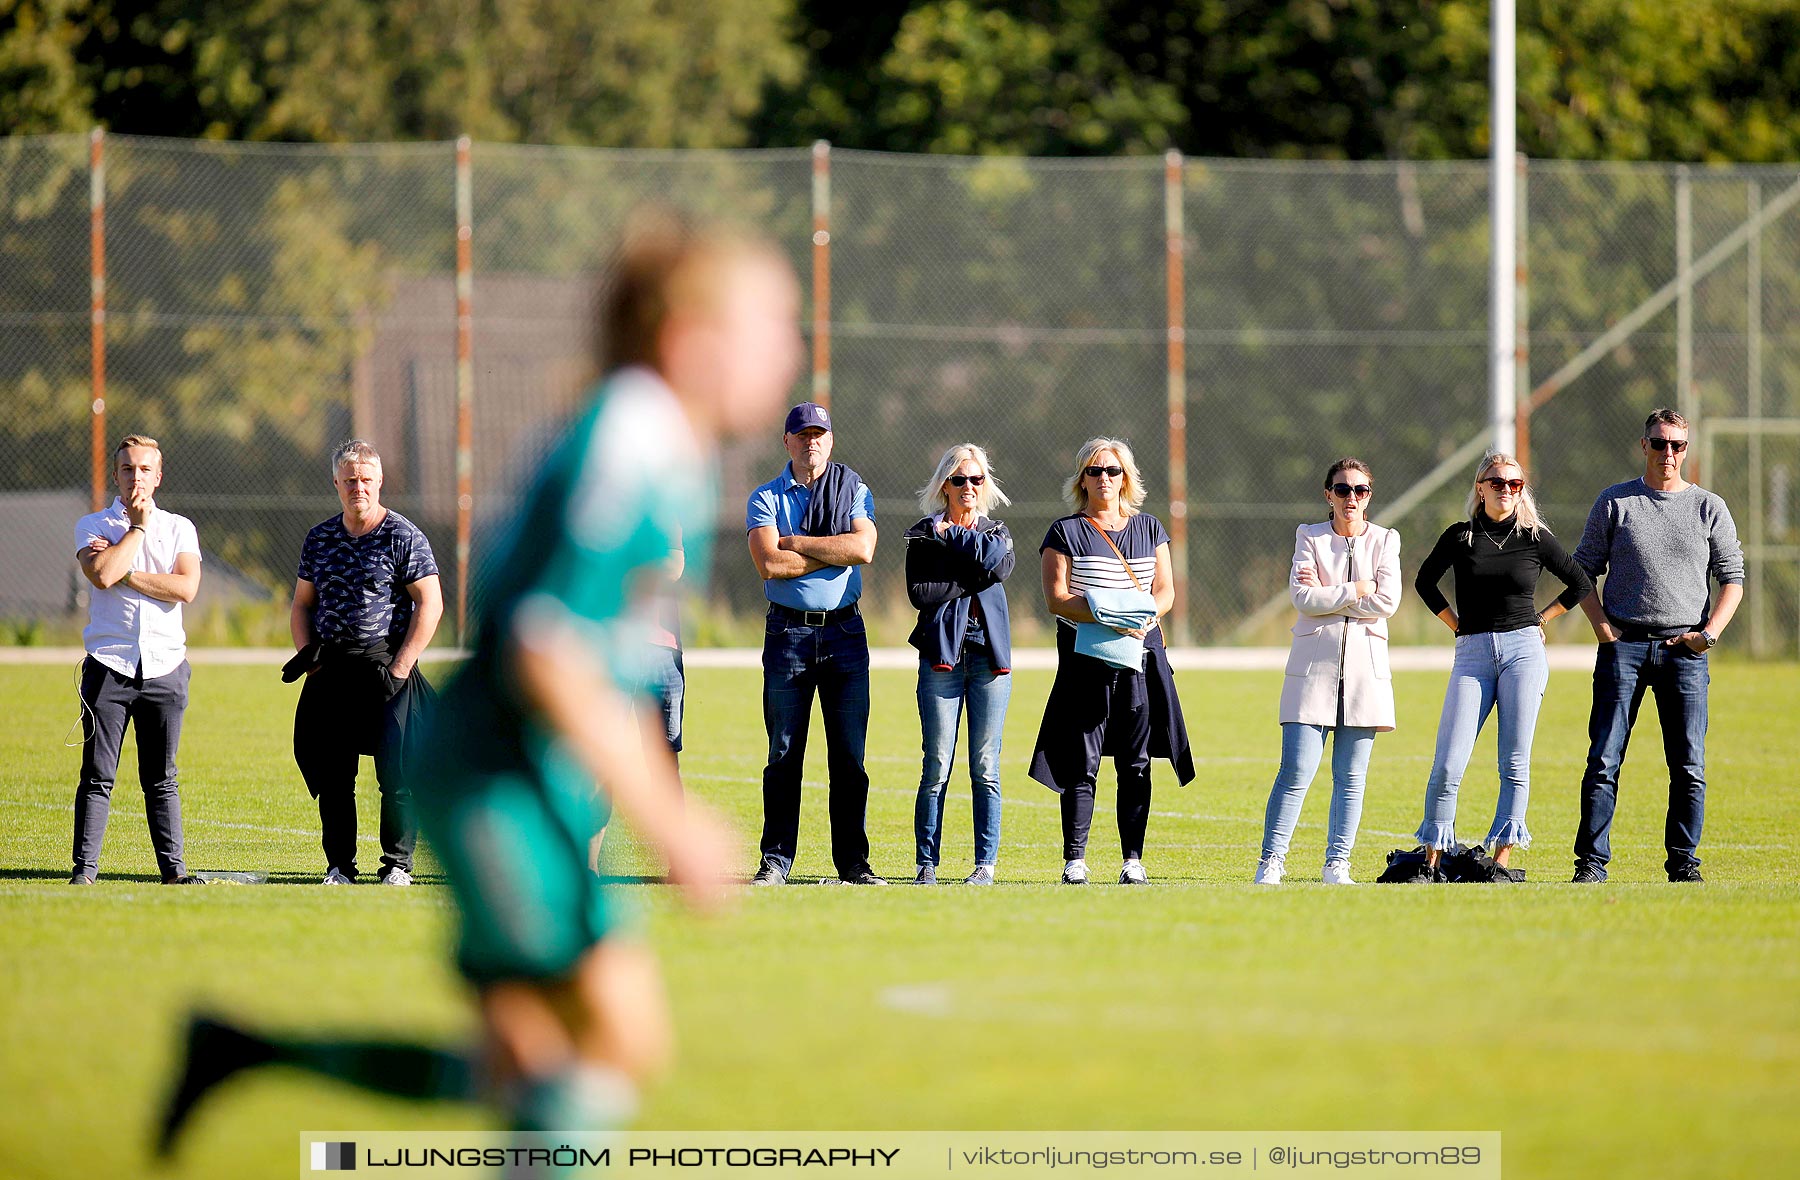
x: 366, y: 603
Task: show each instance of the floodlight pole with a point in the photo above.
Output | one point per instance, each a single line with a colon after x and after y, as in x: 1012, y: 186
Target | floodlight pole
x: 1502, y: 211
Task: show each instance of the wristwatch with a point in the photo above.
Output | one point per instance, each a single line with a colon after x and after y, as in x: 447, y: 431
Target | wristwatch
x: 1712, y: 640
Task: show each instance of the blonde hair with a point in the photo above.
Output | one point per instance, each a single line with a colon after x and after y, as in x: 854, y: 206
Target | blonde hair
x: 664, y: 263
x: 1131, y: 487
x: 137, y: 440
x: 932, y: 497
x: 1526, y: 514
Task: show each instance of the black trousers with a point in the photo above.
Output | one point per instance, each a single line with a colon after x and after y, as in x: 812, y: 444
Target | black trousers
x: 1097, y: 710
x: 156, y: 706
x: 347, y: 709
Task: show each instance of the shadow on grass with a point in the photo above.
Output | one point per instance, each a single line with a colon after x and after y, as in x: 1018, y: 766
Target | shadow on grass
x: 64, y: 874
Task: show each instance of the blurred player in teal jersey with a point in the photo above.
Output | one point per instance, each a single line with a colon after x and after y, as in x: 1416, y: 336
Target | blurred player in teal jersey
x: 700, y: 331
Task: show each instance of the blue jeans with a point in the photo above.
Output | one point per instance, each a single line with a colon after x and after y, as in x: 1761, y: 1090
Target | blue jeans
x: 832, y: 660
x: 941, y: 697
x: 1302, y: 748
x: 1678, y: 676
x: 668, y: 686
x: 1504, y: 670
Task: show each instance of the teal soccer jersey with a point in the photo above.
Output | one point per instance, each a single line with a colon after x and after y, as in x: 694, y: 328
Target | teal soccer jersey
x: 502, y: 801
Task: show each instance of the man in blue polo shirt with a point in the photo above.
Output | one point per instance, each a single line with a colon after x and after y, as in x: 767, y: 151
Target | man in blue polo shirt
x: 810, y: 528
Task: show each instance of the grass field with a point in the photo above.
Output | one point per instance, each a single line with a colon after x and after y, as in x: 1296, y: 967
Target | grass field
x: 1634, y: 1029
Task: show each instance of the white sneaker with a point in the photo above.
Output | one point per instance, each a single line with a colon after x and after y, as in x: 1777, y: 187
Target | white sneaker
x: 333, y: 877
x: 1337, y: 872
x: 1270, y: 870
x: 396, y: 876
x: 1075, y: 873
x: 1132, y: 873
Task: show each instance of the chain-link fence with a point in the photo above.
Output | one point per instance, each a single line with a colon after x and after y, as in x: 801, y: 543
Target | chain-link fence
x: 264, y: 301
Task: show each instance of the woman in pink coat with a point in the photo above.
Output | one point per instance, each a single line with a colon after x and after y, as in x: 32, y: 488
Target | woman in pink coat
x: 1345, y: 582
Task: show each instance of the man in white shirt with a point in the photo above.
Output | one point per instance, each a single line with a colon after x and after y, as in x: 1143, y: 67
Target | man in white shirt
x: 144, y: 563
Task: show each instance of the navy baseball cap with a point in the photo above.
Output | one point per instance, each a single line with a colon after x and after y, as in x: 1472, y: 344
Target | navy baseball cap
x: 805, y: 416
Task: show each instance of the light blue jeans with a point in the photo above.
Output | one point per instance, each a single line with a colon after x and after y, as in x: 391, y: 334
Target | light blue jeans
x: 1302, y: 748
x: 1504, y: 670
x: 941, y: 697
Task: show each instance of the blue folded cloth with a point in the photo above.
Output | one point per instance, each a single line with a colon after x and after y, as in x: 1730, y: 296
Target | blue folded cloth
x: 1116, y: 608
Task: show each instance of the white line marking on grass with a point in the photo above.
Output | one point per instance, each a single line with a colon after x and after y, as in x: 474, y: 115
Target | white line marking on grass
x: 1012, y: 801
x: 920, y: 999
x: 189, y: 821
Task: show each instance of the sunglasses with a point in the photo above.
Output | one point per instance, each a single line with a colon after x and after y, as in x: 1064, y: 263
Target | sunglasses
x: 1359, y: 490
x: 957, y: 481
x: 1677, y: 445
x: 1515, y: 486
x: 1097, y: 472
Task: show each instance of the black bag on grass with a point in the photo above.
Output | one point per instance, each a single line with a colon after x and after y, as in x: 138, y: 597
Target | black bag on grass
x: 1407, y: 867
x: 1469, y: 863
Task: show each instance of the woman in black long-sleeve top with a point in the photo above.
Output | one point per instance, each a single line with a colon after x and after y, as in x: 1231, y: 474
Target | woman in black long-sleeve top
x: 1497, y: 556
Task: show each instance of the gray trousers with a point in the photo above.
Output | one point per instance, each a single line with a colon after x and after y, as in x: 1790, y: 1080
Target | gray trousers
x: 155, y: 706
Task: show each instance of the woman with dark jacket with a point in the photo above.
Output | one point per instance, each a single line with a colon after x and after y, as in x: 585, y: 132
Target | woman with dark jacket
x: 956, y: 559
x: 1098, y: 706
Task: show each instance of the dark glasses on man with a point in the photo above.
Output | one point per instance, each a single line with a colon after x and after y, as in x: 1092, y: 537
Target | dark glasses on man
x: 1515, y: 486
x: 1097, y: 472
x: 1359, y: 490
x: 957, y: 481
x: 1677, y: 445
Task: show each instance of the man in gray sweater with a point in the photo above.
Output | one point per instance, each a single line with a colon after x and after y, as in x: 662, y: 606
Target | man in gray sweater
x: 1658, y: 540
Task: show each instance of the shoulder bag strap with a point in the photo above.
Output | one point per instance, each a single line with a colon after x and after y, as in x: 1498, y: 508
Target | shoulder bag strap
x: 1129, y: 572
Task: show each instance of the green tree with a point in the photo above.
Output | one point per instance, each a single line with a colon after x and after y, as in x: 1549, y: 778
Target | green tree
x: 639, y: 73
x: 1699, y: 80
x: 965, y: 78
x: 41, y: 84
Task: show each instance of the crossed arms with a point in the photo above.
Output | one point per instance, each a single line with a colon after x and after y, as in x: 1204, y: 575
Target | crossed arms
x: 106, y: 564
x: 778, y: 557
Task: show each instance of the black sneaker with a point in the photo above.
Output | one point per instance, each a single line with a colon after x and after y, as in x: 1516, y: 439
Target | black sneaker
x: 80, y: 878
x: 1587, y: 875
x: 185, y: 879
x: 771, y: 873
x: 1687, y: 873
x: 864, y: 876
x: 215, y: 1051
x: 1504, y: 875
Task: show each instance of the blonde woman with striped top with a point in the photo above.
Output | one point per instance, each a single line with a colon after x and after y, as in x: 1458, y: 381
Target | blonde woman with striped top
x: 1096, y: 708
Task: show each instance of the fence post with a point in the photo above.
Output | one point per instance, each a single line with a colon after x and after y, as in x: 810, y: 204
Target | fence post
x: 1175, y: 253
x: 1522, y: 318
x: 1684, y: 304
x: 821, y: 272
x: 1753, y: 314
x: 97, y: 318
x: 465, y: 382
